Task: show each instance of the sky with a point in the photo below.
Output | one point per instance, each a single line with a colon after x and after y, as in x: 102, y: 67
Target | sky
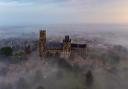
x: 27, y: 12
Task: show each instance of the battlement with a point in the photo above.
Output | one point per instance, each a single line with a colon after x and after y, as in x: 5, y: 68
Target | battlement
x: 67, y: 39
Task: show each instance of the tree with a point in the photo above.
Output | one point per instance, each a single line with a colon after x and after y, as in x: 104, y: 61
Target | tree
x: 89, y: 78
x: 7, y: 51
x: 22, y: 84
x: 38, y: 77
x: 40, y: 87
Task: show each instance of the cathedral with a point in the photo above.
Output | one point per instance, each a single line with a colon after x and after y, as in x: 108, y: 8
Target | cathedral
x: 64, y: 48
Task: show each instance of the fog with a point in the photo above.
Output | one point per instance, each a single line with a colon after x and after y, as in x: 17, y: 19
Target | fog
x: 113, y: 33
x: 35, y: 72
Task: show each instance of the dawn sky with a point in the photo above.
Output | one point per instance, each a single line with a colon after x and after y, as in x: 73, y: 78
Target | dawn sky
x: 26, y: 12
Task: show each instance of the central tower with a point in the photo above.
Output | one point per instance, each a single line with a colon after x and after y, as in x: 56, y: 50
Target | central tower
x: 42, y: 43
x: 66, y: 46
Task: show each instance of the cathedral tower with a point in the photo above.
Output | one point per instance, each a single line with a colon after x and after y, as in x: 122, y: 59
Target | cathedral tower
x: 42, y: 42
x: 66, y: 46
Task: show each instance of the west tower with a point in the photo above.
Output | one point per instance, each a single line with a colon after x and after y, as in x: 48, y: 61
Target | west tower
x: 42, y: 42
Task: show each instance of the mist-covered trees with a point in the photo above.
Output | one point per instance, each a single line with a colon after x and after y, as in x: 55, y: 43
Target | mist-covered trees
x: 38, y: 77
x: 6, y: 86
x: 110, y: 54
x: 22, y: 84
x: 40, y: 87
x: 89, y: 78
x: 6, y: 51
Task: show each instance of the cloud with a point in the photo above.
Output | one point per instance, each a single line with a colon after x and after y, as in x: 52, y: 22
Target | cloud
x: 14, y: 3
x: 34, y: 1
x: 67, y: 3
x: 62, y: 11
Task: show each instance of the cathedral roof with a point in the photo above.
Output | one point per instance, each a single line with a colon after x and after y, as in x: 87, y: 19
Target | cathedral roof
x: 53, y: 45
x: 78, y: 45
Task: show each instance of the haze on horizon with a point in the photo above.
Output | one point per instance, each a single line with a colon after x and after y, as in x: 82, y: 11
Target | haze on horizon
x: 26, y: 12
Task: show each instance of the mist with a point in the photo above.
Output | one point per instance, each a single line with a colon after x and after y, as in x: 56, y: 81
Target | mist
x: 103, y: 41
x: 113, y: 33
